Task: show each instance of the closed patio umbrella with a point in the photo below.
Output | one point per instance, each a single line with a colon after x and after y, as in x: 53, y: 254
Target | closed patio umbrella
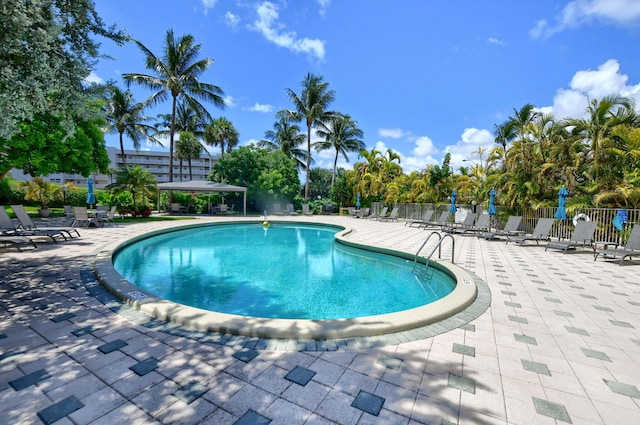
x: 492, y: 199
x: 454, y: 195
x: 91, y: 198
x: 358, y: 200
x: 561, y: 213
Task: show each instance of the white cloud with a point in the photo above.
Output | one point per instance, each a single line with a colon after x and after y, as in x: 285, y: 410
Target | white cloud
x: 470, y: 141
x: 208, y: 4
x: 392, y: 133
x: 231, y: 19
x: 580, y: 12
x: 324, y: 5
x: 230, y: 101
x: 497, y: 41
x: 259, y: 107
x: 94, y: 78
x: 267, y: 24
x: 591, y: 84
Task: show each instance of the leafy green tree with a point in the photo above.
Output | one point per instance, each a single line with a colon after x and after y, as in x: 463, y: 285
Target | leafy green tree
x: 320, y: 184
x: 341, y: 133
x: 188, y: 147
x: 125, y: 116
x: 40, y: 148
x: 287, y: 138
x: 268, y: 175
x: 221, y: 132
x: 137, y: 181
x: 48, y: 50
x: 310, y: 106
x: 177, y: 75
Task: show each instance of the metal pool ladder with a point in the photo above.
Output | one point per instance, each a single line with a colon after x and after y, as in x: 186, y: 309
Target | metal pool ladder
x: 438, y: 247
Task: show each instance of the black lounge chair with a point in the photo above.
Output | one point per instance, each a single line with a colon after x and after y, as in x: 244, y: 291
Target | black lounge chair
x: 463, y: 227
x: 582, y: 235
x: 629, y: 250
x: 540, y: 233
x: 510, y: 229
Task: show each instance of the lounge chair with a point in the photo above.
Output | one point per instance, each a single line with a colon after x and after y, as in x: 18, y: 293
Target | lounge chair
x: 540, y: 233
x: 108, y: 217
x: 373, y: 214
x: 16, y: 241
x: 382, y: 213
x: 306, y: 210
x: 277, y: 209
x: 392, y: 216
x: 510, y: 229
x: 28, y: 228
x: 481, y: 225
x: 630, y: 249
x: 466, y: 224
x: 421, y: 222
x: 582, y: 235
x: 177, y: 208
x: 442, y: 221
x: 362, y: 212
x: 290, y: 210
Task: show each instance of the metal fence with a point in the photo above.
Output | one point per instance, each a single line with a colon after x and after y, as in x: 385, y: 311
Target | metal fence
x: 605, y: 230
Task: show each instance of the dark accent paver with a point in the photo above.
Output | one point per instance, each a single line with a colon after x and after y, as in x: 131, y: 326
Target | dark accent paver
x: 191, y: 392
x: 624, y: 389
x: 562, y: 313
x: 246, y: 355
x: 390, y: 362
x: 514, y: 305
x: 519, y: 320
x: 368, y: 402
x: 607, y: 309
x: 252, y: 418
x: 59, y: 410
x: 462, y: 383
x: 84, y: 331
x: 526, y: 339
x: 509, y: 293
x: 596, y: 354
x: 553, y: 410
x: 2, y: 336
x: 145, y: 366
x: 10, y: 355
x: 536, y: 367
x: 63, y: 317
x: 621, y: 324
x: 112, y: 346
x: 464, y: 349
x: 468, y: 327
x: 30, y: 379
x: 300, y: 375
x: 553, y: 300
x: 578, y: 331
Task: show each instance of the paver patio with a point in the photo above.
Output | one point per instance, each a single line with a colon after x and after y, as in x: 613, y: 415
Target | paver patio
x: 559, y: 343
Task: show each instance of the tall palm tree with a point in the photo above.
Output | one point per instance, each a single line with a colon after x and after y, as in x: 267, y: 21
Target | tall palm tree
x: 125, y: 116
x: 188, y: 147
x: 286, y: 137
x: 341, y: 133
x: 177, y: 73
x: 311, y: 106
x: 221, y: 132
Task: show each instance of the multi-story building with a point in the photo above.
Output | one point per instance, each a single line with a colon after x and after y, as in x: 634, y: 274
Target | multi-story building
x: 156, y: 162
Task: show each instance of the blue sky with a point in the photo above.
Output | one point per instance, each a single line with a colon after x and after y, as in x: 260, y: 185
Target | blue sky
x: 420, y: 77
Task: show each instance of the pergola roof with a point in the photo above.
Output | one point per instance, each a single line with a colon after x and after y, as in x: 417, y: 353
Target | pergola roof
x: 200, y: 186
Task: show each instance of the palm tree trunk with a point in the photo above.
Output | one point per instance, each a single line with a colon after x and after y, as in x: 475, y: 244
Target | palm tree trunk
x: 335, y: 165
x: 124, y: 159
x: 171, y: 130
x: 306, y: 183
x: 190, y: 175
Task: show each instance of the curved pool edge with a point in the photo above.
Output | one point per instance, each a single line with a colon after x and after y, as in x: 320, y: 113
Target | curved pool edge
x: 462, y: 297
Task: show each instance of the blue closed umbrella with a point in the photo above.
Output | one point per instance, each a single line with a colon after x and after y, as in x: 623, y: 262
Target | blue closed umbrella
x: 91, y: 198
x: 561, y: 213
x: 358, y: 200
x: 492, y: 200
x: 454, y: 195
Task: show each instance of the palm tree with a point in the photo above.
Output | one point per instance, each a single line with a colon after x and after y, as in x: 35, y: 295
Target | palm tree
x: 137, y: 181
x: 341, y: 133
x: 188, y: 147
x: 221, y: 132
x: 177, y: 73
x: 311, y: 106
x: 124, y: 116
x: 286, y: 137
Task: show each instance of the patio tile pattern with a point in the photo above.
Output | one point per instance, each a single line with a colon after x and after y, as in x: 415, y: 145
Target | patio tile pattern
x: 554, y: 338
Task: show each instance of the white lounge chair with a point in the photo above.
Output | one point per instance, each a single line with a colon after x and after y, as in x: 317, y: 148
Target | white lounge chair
x: 30, y: 228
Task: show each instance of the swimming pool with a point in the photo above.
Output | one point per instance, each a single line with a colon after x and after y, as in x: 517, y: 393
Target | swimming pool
x: 463, y: 295
x: 284, y: 271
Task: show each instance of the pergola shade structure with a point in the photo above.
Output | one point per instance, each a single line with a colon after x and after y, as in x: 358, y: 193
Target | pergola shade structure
x: 205, y: 186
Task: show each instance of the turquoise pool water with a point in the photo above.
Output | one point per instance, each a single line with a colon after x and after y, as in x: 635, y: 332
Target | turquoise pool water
x: 286, y: 271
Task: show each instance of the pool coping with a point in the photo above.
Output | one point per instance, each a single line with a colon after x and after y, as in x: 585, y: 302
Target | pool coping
x: 461, y: 298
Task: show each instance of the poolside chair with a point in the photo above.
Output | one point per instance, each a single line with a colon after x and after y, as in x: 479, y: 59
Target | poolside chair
x: 540, y: 233
x: 68, y: 212
x: 382, y: 213
x: 630, y: 249
x: 582, y: 235
x: 80, y: 217
x: 290, y: 210
x: 177, y: 208
x: 108, y: 218
x: 362, y: 212
x: 16, y: 241
x: 466, y: 224
x: 421, y: 222
x: 10, y: 234
x: 276, y: 209
x: 393, y: 216
x: 373, y: 214
x: 442, y: 221
x: 481, y: 225
x: 510, y: 229
x: 306, y: 210
x: 29, y: 227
